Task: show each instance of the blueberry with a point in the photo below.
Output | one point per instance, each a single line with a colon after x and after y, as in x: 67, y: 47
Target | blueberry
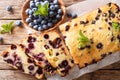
x: 74, y: 15
x: 45, y: 26
x: 31, y: 24
x: 1, y: 39
x: 28, y: 20
x: 49, y: 24
x: 46, y: 2
x: 18, y: 23
x: 35, y: 27
x: 34, y: 9
x: 9, y: 8
x: 37, y: 3
x: 31, y: 2
x: 30, y: 12
x: 54, y: 21
x: 69, y: 15
x: 57, y: 6
x: 51, y: 13
x: 36, y: 0
x: 31, y: 16
x: 32, y: 5
x: 55, y: 1
x: 58, y: 16
x: 36, y: 17
x: 40, y: 28
x: 27, y: 11
x: 35, y: 21
x: 59, y: 11
x: 39, y: 19
x: 52, y: 7
x: 43, y: 22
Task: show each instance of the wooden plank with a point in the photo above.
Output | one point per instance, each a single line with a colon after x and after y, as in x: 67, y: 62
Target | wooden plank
x: 17, y: 5
x: 106, y: 75
x: 14, y: 75
x: 85, y: 77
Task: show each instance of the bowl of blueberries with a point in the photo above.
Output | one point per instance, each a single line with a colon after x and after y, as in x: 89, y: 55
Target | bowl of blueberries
x: 41, y: 15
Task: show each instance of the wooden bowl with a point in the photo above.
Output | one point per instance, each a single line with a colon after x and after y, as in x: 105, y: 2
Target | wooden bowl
x: 24, y: 15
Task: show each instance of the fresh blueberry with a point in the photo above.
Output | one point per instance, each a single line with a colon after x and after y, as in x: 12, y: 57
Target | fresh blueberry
x: 27, y: 11
x: 32, y: 5
x: 1, y: 39
x: 49, y: 24
x: 69, y: 15
x: 9, y: 8
x: 57, y: 7
x: 55, y: 1
x: 37, y: 3
x: 35, y: 21
x: 28, y: 20
x: 36, y: 0
x: 39, y: 19
x: 36, y: 17
x: 45, y: 26
x: 43, y: 22
x: 31, y: 2
x: 18, y: 23
x: 58, y: 16
x: 31, y: 16
x: 35, y: 27
x: 31, y: 24
x: 34, y: 9
x: 74, y: 15
x: 51, y: 13
x: 54, y: 21
x: 40, y: 28
x: 30, y: 12
x: 52, y: 7
x: 59, y: 11
x: 45, y: 2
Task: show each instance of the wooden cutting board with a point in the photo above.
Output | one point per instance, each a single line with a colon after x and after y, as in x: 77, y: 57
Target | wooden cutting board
x: 8, y: 73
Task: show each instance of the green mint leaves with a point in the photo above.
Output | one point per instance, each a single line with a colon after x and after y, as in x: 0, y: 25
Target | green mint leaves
x: 42, y: 10
x: 116, y: 26
x: 83, y: 40
x: 6, y: 28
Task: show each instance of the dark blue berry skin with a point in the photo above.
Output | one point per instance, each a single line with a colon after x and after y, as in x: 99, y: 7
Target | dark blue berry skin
x: 40, y: 28
x: 49, y: 24
x: 18, y: 23
x: 74, y: 15
x: 52, y: 7
x: 57, y: 7
x: 36, y: 27
x: 45, y: 26
x: 55, y: 1
x: 51, y: 13
x: 34, y: 9
x: 32, y: 5
x: 31, y: 2
x: 30, y: 12
x: 69, y: 15
x: 35, y: 21
x: 1, y: 39
x: 31, y: 24
x: 54, y: 21
x: 37, y: 3
x: 28, y: 20
x: 31, y: 16
x: 58, y: 16
x: 59, y: 11
x: 9, y: 8
x: 27, y: 11
x: 36, y: 0
x: 43, y: 22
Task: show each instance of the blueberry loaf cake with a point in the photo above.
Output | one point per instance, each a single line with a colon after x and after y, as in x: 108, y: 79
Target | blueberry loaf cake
x: 56, y: 52
x: 49, y: 52
x: 94, y: 35
x: 33, y: 48
x: 16, y: 57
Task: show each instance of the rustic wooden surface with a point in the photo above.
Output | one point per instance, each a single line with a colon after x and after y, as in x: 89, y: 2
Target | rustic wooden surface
x: 111, y: 72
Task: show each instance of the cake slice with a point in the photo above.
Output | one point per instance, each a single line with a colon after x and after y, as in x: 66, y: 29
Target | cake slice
x: 94, y: 35
x: 49, y: 52
x: 33, y: 48
x: 16, y: 57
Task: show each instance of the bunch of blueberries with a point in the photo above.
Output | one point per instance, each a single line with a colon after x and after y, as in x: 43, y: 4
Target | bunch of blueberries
x: 39, y: 22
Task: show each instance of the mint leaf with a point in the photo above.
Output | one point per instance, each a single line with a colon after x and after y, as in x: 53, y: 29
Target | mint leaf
x: 83, y: 40
x: 116, y: 26
x: 6, y: 28
x: 42, y: 9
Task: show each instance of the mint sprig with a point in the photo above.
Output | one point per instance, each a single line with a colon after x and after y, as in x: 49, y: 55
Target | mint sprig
x: 116, y: 26
x: 6, y: 28
x: 83, y: 40
x: 42, y: 9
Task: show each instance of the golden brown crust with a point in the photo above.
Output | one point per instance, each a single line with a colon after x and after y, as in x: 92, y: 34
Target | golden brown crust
x: 96, y: 25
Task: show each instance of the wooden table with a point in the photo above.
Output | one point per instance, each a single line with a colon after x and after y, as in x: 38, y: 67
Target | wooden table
x: 111, y: 72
